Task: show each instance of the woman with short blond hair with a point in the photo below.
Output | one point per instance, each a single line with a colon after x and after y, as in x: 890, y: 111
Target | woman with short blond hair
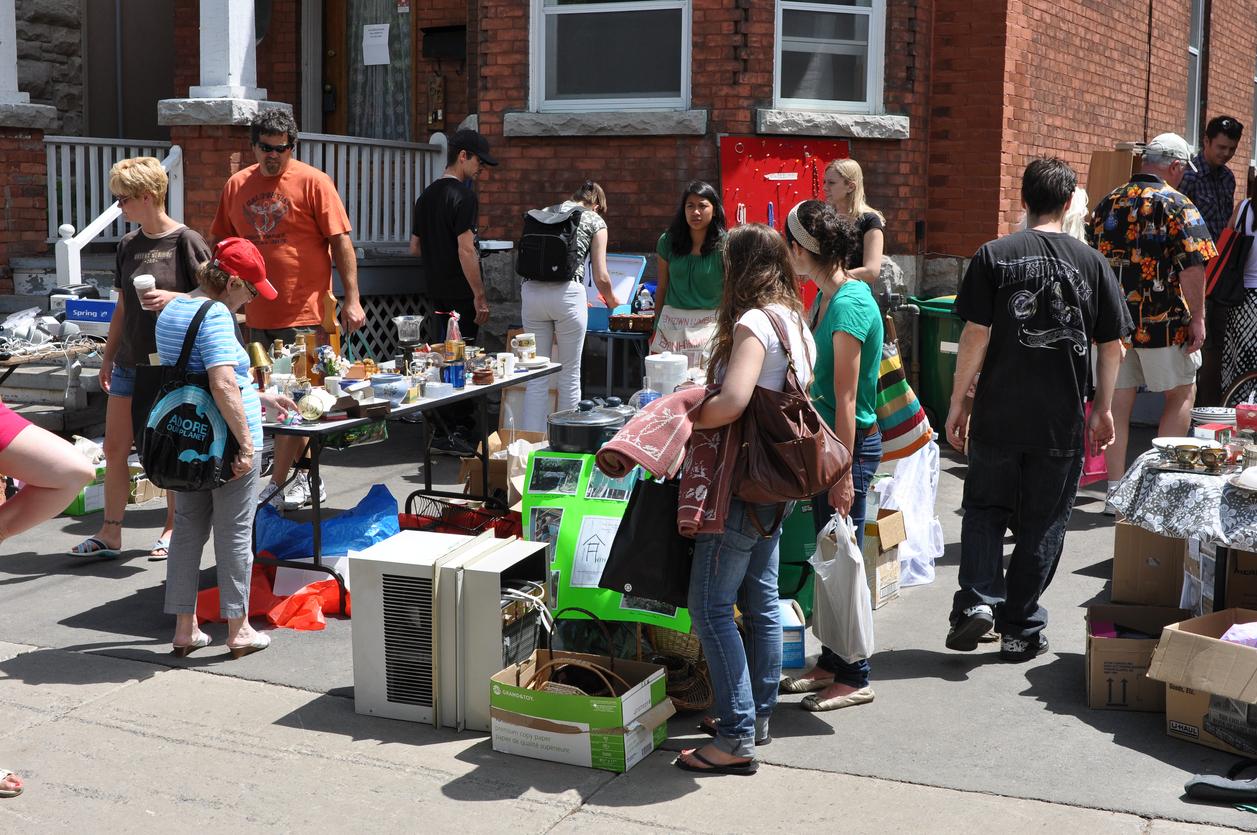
x: 169, y: 252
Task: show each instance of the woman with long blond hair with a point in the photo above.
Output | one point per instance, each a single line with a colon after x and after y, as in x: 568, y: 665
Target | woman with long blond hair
x: 844, y: 190
x: 739, y: 564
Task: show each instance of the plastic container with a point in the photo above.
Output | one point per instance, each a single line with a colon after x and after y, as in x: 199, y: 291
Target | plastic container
x: 666, y: 371
x: 939, y: 342
x: 644, y: 395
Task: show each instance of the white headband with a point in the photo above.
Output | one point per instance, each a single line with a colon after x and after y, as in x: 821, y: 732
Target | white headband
x: 800, y: 234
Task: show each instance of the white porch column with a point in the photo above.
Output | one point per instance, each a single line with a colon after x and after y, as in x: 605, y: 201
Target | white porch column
x: 8, y: 55
x: 228, y: 51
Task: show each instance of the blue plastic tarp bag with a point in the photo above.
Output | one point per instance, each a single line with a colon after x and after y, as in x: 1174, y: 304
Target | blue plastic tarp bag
x: 372, y: 520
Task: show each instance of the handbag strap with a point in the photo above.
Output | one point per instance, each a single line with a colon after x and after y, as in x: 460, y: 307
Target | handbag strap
x: 779, y: 325
x: 189, y: 338
x: 1241, y: 222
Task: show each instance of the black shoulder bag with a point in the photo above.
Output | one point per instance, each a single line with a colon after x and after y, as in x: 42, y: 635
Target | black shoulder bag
x: 182, y: 439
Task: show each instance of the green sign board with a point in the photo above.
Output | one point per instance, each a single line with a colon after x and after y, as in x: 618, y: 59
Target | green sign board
x: 576, y: 508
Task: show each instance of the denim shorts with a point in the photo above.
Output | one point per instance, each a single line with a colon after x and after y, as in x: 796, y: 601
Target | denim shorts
x: 122, y: 381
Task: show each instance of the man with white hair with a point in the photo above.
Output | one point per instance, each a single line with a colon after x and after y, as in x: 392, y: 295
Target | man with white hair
x: 1158, y: 244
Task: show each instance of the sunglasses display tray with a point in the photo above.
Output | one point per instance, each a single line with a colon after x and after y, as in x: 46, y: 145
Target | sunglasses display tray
x: 1198, y: 469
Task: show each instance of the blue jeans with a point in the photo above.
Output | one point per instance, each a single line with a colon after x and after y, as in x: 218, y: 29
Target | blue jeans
x: 122, y: 381
x: 1039, y: 489
x: 739, y: 566
x: 867, y: 458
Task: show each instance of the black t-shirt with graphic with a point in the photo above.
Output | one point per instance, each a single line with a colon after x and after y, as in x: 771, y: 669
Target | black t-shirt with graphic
x: 445, y: 210
x: 1045, y: 296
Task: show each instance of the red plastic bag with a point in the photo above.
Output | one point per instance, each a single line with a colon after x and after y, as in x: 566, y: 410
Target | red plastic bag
x: 304, y: 609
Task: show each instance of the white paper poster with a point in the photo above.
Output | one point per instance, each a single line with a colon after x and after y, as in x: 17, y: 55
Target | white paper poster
x: 593, y: 546
x: 375, y: 44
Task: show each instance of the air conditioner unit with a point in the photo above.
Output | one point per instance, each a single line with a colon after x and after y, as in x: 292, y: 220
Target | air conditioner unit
x: 428, y: 626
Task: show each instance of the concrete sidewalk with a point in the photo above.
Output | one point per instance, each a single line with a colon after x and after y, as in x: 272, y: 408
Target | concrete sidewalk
x: 107, y: 744
x: 109, y: 729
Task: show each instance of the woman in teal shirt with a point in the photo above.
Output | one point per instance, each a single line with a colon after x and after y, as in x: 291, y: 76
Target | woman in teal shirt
x: 691, y: 276
x: 848, y: 333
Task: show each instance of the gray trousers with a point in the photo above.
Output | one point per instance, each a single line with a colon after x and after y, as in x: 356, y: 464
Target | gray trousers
x: 229, y: 509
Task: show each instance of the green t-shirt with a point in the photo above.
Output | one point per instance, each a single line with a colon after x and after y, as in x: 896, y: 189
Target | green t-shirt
x: 854, y: 311
x: 695, y: 282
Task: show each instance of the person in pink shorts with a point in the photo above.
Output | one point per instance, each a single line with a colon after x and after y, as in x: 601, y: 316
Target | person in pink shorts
x: 52, y: 473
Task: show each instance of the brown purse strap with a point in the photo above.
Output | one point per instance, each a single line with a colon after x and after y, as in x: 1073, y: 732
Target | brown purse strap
x: 792, y: 375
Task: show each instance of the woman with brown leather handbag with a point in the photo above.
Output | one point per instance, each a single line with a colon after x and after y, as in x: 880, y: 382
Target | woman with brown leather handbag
x: 739, y: 565
x: 849, y: 337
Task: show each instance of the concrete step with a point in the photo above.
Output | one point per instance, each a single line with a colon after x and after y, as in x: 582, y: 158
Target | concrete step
x: 38, y: 280
x: 49, y: 378
x: 88, y: 422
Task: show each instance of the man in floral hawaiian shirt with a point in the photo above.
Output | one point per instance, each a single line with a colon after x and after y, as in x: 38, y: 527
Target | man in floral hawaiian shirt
x: 1157, y: 243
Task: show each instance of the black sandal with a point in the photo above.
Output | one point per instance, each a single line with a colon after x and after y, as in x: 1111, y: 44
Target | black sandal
x: 708, y: 726
x: 743, y: 768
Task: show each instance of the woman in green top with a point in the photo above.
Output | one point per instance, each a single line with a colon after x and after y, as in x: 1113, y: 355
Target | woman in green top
x: 848, y: 333
x: 691, y: 276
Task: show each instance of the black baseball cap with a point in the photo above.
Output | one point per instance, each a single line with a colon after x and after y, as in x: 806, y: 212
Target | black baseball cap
x: 473, y: 143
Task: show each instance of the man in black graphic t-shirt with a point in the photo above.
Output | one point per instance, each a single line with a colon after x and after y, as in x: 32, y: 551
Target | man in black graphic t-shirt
x: 1033, y: 303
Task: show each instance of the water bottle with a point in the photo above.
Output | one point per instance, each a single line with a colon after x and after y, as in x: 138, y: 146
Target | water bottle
x: 645, y: 395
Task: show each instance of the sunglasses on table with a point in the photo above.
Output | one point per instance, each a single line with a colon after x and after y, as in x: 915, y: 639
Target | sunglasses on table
x: 275, y: 149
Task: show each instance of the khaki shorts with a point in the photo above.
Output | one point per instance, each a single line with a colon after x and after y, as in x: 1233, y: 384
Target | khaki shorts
x: 1158, y: 369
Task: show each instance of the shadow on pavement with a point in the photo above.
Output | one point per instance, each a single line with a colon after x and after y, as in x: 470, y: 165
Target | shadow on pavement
x: 911, y: 664
x: 53, y: 666
x: 1058, y: 685
x: 333, y: 713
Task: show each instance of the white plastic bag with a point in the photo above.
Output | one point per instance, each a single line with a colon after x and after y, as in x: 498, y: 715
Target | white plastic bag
x: 842, y: 615
x: 913, y: 492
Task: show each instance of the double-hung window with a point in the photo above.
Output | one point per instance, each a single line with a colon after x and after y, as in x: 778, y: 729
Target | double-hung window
x: 1195, y: 57
x: 610, y: 55
x: 830, y: 55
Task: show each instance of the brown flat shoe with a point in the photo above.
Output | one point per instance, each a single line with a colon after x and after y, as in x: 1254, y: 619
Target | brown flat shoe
x: 802, y: 685
x: 815, y: 704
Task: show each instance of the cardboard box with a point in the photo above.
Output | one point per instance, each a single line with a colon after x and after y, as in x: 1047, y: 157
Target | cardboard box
x: 469, y: 473
x: 1210, y: 720
x: 91, y: 497
x: 793, y: 641
x: 1241, y: 579
x: 881, y: 555
x: 1117, y: 661
x: 611, y: 733
x: 1147, y: 567
x: 1220, y: 432
x: 1191, y: 654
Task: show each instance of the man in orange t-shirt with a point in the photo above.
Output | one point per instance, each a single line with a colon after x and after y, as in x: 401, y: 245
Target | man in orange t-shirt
x: 294, y: 215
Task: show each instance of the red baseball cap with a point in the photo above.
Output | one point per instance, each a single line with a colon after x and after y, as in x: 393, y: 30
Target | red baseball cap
x: 240, y: 258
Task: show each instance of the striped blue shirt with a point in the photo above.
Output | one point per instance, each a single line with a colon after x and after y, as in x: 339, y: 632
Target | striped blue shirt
x: 216, y: 344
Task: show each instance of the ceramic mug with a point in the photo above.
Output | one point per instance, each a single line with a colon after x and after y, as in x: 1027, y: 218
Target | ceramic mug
x: 506, y: 364
x: 332, y: 384
x: 525, y: 346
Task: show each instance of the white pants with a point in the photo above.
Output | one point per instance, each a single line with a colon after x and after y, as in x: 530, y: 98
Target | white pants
x: 553, y: 310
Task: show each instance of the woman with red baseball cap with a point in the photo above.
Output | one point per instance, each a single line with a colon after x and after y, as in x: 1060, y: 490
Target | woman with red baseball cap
x: 234, y: 276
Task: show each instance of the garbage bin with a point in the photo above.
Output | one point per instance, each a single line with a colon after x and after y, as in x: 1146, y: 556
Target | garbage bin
x: 937, y: 346
x: 795, y: 580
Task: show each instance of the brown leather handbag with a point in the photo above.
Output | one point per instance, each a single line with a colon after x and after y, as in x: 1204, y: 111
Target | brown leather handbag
x: 788, y: 451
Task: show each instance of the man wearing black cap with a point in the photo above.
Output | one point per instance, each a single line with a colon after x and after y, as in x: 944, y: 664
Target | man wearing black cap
x: 444, y: 234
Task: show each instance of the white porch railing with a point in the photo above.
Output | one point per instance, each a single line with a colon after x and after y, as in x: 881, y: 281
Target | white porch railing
x: 70, y: 244
x: 378, y: 180
x: 78, y: 179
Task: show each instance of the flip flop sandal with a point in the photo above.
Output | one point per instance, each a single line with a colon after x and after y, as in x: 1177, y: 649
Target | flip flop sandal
x: 4, y: 775
x: 1214, y: 788
x: 708, y: 726
x: 94, y: 547
x: 163, y: 545
x: 744, y: 768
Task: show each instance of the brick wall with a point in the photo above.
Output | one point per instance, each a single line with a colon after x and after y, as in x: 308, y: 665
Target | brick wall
x: 211, y: 154
x: 731, y: 76
x: 23, y: 198
x: 459, y: 79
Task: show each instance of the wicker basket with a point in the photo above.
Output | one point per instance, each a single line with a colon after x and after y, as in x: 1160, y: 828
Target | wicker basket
x: 681, y: 653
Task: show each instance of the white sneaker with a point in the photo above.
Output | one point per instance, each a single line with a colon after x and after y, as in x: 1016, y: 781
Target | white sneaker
x: 309, y: 492
x: 270, y: 495
x: 296, y: 494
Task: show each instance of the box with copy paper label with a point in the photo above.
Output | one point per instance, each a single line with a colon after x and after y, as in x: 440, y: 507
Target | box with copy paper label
x: 1120, y: 643
x: 611, y: 732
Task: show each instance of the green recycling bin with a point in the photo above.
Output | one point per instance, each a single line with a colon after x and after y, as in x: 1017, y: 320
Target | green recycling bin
x: 795, y: 579
x: 938, y: 344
